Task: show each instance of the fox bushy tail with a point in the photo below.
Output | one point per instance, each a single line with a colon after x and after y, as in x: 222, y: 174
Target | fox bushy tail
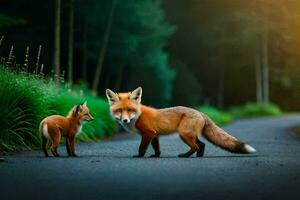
x: 221, y: 138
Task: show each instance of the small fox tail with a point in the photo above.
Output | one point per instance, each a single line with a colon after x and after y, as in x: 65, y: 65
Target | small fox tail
x: 221, y: 138
x: 44, y: 140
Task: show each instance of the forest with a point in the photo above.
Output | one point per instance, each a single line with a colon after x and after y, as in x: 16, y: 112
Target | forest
x: 229, y: 58
x: 221, y: 53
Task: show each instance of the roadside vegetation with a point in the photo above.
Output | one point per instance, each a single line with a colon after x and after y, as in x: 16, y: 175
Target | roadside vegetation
x: 247, y: 110
x: 26, y: 99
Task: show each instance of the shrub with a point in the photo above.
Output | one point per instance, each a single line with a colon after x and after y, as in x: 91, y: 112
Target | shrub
x: 216, y: 115
x: 27, y: 99
x: 21, y: 107
x: 253, y: 109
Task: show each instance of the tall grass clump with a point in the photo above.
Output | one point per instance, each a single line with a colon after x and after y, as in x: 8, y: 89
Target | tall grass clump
x: 21, y: 107
x: 26, y: 99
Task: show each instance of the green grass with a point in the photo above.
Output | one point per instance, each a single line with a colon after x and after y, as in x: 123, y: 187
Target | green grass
x: 248, y: 110
x: 252, y: 109
x: 27, y: 99
x: 219, y: 117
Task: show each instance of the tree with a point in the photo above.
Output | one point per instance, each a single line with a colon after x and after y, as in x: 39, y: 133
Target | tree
x: 258, y: 75
x: 70, y: 40
x: 84, y: 50
x: 103, y: 48
x: 137, y: 46
x: 271, y: 21
x: 192, y: 94
x: 245, y: 26
x: 133, y: 50
x: 88, y: 23
x: 56, y: 45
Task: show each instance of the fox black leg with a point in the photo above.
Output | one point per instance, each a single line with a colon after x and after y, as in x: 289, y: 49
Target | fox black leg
x: 201, y: 145
x: 68, y: 147
x: 187, y: 154
x: 155, y: 145
x: 44, y: 146
x: 191, y: 143
x: 146, y: 139
x: 72, y: 146
x: 54, y: 152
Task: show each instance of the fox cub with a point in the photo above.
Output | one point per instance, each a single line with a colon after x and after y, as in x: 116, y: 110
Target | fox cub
x: 55, y: 126
x: 150, y: 123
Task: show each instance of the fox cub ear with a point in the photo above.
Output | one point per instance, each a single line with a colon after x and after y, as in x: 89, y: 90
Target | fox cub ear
x: 111, y: 96
x: 77, y: 109
x: 136, y: 95
x: 84, y: 103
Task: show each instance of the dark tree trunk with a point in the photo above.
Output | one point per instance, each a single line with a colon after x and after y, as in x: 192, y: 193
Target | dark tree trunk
x: 221, y: 87
x: 2, y: 37
x: 56, y: 45
x: 70, y: 41
x: 119, y: 77
x: 84, y: 52
x: 258, y: 73
x: 107, y: 80
x: 221, y: 77
x: 103, y: 49
x: 265, y: 66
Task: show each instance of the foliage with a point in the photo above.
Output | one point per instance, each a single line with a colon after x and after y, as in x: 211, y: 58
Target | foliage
x: 21, y: 108
x: 219, y: 117
x: 136, y: 43
x: 255, y: 109
x: 250, y: 109
x: 27, y: 99
x: 7, y: 21
x: 226, y: 35
x: 191, y: 93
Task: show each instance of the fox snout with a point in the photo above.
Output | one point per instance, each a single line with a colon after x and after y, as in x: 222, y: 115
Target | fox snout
x: 91, y: 118
x: 126, y: 120
x: 122, y: 119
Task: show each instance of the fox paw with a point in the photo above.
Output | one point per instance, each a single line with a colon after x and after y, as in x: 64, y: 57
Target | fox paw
x: 155, y: 156
x: 138, y: 156
x: 183, y: 155
x: 200, y: 153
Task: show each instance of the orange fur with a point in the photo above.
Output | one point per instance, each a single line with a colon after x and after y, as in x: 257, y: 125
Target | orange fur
x: 150, y: 123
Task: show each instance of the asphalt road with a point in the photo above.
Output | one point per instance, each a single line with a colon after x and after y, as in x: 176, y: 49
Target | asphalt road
x: 106, y: 170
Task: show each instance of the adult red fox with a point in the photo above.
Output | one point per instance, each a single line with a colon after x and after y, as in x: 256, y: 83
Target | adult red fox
x: 150, y: 123
x: 56, y: 126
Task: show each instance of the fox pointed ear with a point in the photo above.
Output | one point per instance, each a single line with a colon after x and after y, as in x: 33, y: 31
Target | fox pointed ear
x: 111, y: 96
x: 136, y: 94
x: 77, y: 109
x: 84, y: 103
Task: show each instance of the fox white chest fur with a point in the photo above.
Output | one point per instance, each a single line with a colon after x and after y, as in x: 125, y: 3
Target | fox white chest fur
x: 130, y: 127
x: 79, y: 127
